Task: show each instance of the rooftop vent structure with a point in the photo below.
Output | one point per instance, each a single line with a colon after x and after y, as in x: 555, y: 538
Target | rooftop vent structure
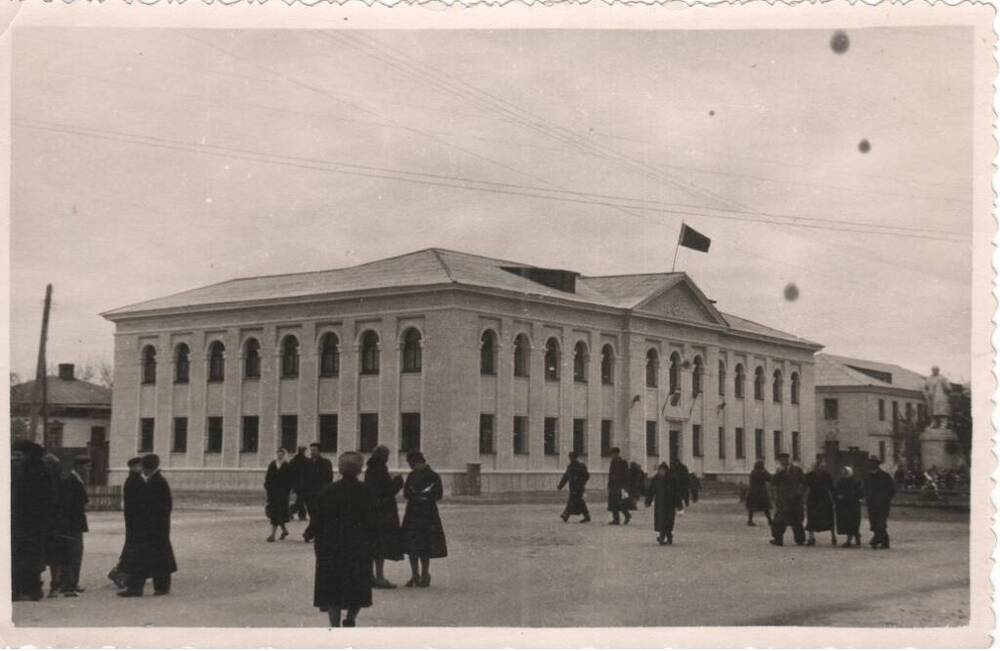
x: 564, y: 281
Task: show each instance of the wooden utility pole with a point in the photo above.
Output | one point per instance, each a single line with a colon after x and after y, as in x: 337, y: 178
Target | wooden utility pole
x: 41, y: 399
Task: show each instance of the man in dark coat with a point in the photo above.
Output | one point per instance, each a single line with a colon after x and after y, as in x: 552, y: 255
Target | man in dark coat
x: 385, y: 487
x: 150, y: 554
x: 789, y: 490
x: 298, y: 469
x: 31, y: 511
x: 343, y: 520
x: 55, y: 554
x: 879, y: 491
x: 663, y: 492
x: 819, y: 504
x: 636, y: 484
x: 683, y: 479
x: 758, y: 495
x: 132, y: 484
x: 71, y: 524
x: 618, y: 487
x: 316, y: 475
x: 576, y: 476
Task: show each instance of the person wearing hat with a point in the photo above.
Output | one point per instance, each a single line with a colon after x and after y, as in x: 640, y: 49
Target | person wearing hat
x: 317, y: 473
x: 71, y: 524
x: 576, y: 476
x: 31, y: 510
x: 423, y: 533
x: 847, y: 495
x: 789, y: 490
x: 385, y: 487
x: 343, y: 524
x: 879, y: 491
x: 758, y: 496
x: 150, y: 554
x: 134, y: 483
x: 54, y: 552
x: 278, y: 488
x: 298, y: 468
x: 618, y: 502
x: 666, y: 496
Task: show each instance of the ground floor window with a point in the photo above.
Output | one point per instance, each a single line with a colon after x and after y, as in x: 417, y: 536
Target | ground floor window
x: 551, y: 435
x: 328, y: 432
x: 369, y: 432
x: 213, y: 442
x: 777, y: 443
x: 486, y: 434
x: 409, y: 439
x: 696, y: 440
x: 652, y: 449
x: 520, y: 435
x: 180, y: 442
x: 54, y: 435
x: 796, y: 447
x: 722, y: 442
x: 758, y: 444
x: 250, y: 434
x: 741, y: 450
x: 146, y: 434
x: 881, y: 451
x: 290, y: 432
x: 580, y: 436
x: 606, y: 437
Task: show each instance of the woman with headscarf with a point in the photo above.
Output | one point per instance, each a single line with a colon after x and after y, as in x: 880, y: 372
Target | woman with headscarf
x: 423, y: 533
x: 344, y: 530
x: 847, y: 495
x: 388, y: 545
x: 758, y: 496
x: 278, y: 485
x: 664, y: 492
x: 819, y: 504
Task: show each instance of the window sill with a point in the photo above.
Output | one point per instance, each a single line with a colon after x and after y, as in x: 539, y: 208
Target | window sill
x: 521, y: 377
x: 327, y: 376
x: 216, y: 380
x: 289, y: 377
x: 489, y: 374
x: 409, y: 371
x: 184, y: 451
x: 369, y: 373
x: 248, y: 451
x: 251, y: 378
x: 552, y: 454
x: 213, y: 451
x: 607, y: 384
x: 181, y: 382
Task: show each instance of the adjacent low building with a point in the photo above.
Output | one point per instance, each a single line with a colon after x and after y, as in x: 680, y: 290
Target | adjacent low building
x: 480, y: 363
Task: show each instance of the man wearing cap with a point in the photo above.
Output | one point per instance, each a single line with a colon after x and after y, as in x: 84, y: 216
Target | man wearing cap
x: 149, y: 553
x: 879, y: 491
x: 576, y: 476
x: 317, y: 475
x: 134, y: 483
x: 617, y: 485
x: 31, y: 512
x: 71, y: 524
x: 789, y: 489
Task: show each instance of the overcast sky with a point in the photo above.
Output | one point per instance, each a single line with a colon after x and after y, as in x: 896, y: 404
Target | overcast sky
x: 725, y: 130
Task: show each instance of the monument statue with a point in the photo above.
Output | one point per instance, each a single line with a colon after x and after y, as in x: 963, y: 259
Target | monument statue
x: 936, y: 388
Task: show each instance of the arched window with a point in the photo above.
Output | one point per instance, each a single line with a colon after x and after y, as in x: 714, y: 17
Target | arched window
x: 675, y: 373
x: 329, y: 355
x: 369, y: 353
x: 251, y: 359
x: 607, y: 364
x: 182, y: 364
x: 652, y: 368
x: 795, y: 388
x: 722, y: 378
x: 696, y: 376
x: 740, y: 382
x: 522, y: 351
x: 411, y: 351
x: 758, y: 383
x: 149, y: 365
x: 216, y: 362
x: 580, y: 362
x: 488, y: 353
x: 290, y: 357
x: 552, y: 359
x: 777, y: 387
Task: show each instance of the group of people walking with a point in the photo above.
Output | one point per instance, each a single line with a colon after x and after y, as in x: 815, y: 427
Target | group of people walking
x: 302, y: 476
x: 823, y: 503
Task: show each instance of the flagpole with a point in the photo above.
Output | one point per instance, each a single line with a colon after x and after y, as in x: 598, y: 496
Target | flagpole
x: 677, y: 248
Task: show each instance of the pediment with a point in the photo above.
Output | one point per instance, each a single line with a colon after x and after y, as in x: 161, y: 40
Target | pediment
x: 682, y: 301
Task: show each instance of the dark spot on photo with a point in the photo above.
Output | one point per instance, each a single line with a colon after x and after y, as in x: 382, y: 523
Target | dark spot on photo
x: 791, y: 292
x: 839, y: 43
x: 711, y: 114
x: 864, y: 146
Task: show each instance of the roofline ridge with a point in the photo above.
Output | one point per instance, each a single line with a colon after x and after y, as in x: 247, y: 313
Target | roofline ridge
x: 651, y: 273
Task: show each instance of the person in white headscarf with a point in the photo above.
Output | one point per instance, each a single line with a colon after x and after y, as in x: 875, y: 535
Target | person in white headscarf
x: 278, y: 485
x: 847, y: 495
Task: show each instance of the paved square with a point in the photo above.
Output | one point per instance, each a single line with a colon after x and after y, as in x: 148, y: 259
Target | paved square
x: 519, y: 565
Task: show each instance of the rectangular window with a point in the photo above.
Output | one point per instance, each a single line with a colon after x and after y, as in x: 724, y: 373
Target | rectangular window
x: 409, y: 433
x: 213, y: 442
x: 881, y: 409
x: 146, y: 432
x: 895, y: 412
x: 551, y: 435
x: 520, y: 435
x: 580, y: 436
x: 652, y: 440
x: 696, y: 440
x: 758, y: 444
x: 180, y: 442
x: 722, y: 442
x: 290, y: 432
x: 250, y: 436
x: 830, y: 409
x: 486, y: 434
x: 741, y: 448
x: 607, y: 439
x: 796, y: 447
x: 369, y: 432
x: 777, y: 443
x: 328, y: 432
x: 881, y: 451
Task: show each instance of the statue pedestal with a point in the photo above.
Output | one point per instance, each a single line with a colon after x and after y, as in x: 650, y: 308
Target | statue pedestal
x: 934, y: 449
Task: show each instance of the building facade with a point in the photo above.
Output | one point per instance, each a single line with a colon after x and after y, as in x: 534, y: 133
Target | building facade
x: 873, y: 407
x: 469, y: 359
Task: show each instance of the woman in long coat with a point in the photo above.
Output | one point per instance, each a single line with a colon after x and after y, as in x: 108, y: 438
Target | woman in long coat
x: 819, y: 504
x: 423, y: 533
x: 758, y: 495
x: 345, y: 533
x: 278, y: 485
x: 389, y: 542
x: 847, y: 495
x: 636, y: 484
x: 576, y: 476
x: 665, y: 494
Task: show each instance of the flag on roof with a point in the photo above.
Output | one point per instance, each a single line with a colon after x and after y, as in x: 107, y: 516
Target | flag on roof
x: 692, y: 239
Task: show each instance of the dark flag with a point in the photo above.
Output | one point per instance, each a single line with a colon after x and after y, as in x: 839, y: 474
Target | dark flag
x: 692, y: 239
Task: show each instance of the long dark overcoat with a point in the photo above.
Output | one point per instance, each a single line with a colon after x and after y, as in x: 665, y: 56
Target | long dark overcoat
x: 150, y: 553
x: 682, y: 479
x: 636, y: 483
x: 31, y: 515
x: 423, y: 533
x: 847, y: 495
x: 617, y: 483
x: 758, y: 495
x: 789, y: 489
x: 576, y: 476
x: 278, y: 483
x: 879, y: 491
x: 389, y: 540
x: 131, y: 490
x: 665, y: 496
x: 71, y: 513
x: 345, y: 529
x: 819, y: 501
x: 317, y: 473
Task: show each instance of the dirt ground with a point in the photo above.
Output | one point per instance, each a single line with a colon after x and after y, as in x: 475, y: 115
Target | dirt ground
x: 519, y: 565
